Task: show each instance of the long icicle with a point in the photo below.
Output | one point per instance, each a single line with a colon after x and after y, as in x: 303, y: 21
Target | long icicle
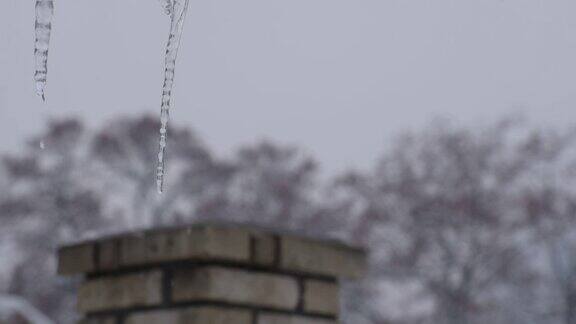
x: 42, y: 29
x: 178, y: 15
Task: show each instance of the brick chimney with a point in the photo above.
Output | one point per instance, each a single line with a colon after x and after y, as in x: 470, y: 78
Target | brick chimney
x: 210, y: 274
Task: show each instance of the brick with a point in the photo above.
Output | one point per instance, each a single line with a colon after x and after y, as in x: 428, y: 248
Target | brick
x: 321, y: 297
x: 320, y: 258
x: 264, y: 249
x: 76, y: 259
x: 269, y: 318
x: 109, y: 293
x: 108, y: 255
x: 194, y: 315
x: 235, y: 286
x: 198, y: 243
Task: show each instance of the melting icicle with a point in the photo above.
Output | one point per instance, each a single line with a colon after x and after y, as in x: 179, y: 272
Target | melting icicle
x: 177, y: 15
x: 167, y: 5
x: 43, y: 27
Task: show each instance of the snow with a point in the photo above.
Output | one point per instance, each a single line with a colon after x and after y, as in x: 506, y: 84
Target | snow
x: 177, y: 15
x: 43, y: 27
x: 12, y: 305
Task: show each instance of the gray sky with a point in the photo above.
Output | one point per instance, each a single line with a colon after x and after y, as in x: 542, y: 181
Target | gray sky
x: 337, y: 77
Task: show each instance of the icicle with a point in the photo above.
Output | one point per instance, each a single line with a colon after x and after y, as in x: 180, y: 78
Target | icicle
x: 43, y: 27
x: 167, y: 5
x: 178, y: 14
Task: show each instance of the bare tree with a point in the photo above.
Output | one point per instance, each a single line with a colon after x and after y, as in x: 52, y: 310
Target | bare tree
x: 126, y: 151
x: 548, y: 198
x: 269, y: 185
x: 464, y: 226
x: 81, y: 183
x: 264, y: 183
x: 46, y: 203
x: 438, y: 211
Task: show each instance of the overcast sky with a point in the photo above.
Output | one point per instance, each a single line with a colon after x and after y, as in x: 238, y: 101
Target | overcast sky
x: 337, y: 77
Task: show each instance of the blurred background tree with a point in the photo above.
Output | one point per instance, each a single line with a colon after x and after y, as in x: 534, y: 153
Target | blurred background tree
x: 464, y: 226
